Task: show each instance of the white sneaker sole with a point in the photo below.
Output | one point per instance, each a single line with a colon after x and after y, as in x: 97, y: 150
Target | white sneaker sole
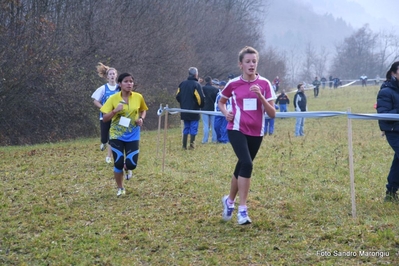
x: 225, y: 207
x: 243, y: 221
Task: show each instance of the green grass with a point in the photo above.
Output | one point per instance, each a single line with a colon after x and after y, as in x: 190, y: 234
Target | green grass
x: 58, y: 201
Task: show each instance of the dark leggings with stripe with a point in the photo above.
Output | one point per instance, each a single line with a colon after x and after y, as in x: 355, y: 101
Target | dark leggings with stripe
x: 245, y: 147
x: 119, y: 148
x: 104, y: 129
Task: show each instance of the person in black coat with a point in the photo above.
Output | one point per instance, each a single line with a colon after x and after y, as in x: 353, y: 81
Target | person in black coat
x: 388, y: 103
x: 191, y: 97
x: 208, y: 121
x: 283, y: 101
x: 300, y: 106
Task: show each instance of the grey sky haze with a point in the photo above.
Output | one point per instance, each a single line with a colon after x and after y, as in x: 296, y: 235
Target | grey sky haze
x: 380, y: 15
x: 387, y: 9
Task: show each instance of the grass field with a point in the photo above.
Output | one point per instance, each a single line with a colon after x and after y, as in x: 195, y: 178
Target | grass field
x: 58, y: 201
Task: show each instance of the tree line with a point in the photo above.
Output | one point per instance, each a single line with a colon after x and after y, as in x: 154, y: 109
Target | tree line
x: 49, y: 50
x: 362, y: 52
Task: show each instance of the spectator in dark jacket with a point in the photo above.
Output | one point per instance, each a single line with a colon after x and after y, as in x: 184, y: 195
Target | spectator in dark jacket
x: 323, y: 82
x: 300, y: 106
x: 388, y: 103
x: 337, y: 82
x: 363, y: 79
x: 191, y: 97
x: 316, y: 83
x: 283, y: 101
x: 208, y: 121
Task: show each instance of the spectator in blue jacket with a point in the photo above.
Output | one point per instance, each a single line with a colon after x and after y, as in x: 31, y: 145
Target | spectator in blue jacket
x: 221, y: 121
x: 388, y: 103
x: 269, y: 124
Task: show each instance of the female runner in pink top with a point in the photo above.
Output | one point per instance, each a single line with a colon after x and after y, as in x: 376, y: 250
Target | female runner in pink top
x: 252, y: 97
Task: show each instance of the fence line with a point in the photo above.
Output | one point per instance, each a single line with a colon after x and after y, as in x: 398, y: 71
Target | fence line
x: 312, y: 114
x: 316, y: 114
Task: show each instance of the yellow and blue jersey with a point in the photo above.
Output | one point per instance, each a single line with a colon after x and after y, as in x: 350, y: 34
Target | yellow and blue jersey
x: 132, y: 110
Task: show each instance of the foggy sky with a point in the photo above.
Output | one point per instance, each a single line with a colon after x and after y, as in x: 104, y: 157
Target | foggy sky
x: 380, y: 15
x: 387, y: 9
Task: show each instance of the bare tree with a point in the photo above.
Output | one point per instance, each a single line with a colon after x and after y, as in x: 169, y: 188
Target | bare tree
x: 308, y: 64
x: 293, y: 61
x: 272, y: 64
x: 388, y: 50
x: 320, y: 62
x: 356, y: 55
x: 59, y: 42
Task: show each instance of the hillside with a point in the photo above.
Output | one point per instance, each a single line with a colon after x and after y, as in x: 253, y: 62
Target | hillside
x: 291, y: 25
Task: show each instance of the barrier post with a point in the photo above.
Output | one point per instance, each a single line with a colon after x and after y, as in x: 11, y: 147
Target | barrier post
x: 164, y: 138
x: 351, y: 170
x: 159, y: 128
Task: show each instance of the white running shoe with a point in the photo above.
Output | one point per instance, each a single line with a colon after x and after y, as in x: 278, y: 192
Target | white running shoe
x: 129, y: 174
x: 121, y: 191
x: 227, y: 210
x: 108, y: 159
x: 103, y: 146
x: 243, y: 218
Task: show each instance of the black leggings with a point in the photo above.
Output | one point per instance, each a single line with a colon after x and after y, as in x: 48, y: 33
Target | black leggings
x: 131, y: 149
x: 245, y: 147
x: 104, y: 128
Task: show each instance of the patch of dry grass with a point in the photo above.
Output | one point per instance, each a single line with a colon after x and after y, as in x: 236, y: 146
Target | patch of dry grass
x: 58, y: 202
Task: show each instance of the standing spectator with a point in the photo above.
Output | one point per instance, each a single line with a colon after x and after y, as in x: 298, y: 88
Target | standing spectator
x: 388, y: 103
x: 126, y: 110
x: 191, y: 97
x: 363, y: 79
x: 300, y: 106
x: 316, y: 83
x: 337, y: 81
x: 323, y: 82
x: 221, y: 121
x: 99, y: 97
x: 252, y: 96
x: 331, y: 81
x: 276, y: 82
x: 269, y: 124
x: 208, y: 121
x: 283, y: 101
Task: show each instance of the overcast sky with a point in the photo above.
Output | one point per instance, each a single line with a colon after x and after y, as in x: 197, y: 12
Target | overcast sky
x: 379, y: 14
x: 381, y: 9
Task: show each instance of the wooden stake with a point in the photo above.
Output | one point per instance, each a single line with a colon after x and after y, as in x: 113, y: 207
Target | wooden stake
x: 164, y: 138
x: 351, y: 171
x: 159, y: 129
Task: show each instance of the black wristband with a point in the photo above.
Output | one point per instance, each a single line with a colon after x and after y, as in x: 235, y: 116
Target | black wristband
x: 141, y: 118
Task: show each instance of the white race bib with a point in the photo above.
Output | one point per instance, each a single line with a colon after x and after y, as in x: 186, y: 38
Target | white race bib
x: 124, y: 121
x: 250, y: 104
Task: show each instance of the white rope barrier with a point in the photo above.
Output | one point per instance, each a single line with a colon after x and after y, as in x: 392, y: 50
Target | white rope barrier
x: 317, y: 114
x: 314, y: 114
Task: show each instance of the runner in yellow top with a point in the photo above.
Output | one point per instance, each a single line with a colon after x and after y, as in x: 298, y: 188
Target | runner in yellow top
x: 127, y: 109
